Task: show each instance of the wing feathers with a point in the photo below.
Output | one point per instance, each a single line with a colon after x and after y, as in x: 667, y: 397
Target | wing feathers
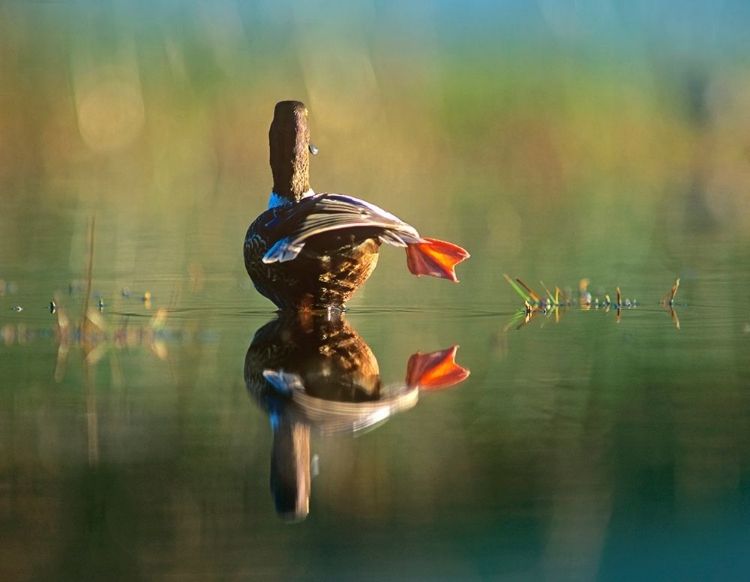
x: 329, y: 212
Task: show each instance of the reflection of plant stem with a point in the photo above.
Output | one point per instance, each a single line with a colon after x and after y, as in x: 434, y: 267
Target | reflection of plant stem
x: 89, y: 341
x: 89, y: 265
x: 63, y: 330
x: 95, y: 341
x: 92, y: 420
x: 674, y: 317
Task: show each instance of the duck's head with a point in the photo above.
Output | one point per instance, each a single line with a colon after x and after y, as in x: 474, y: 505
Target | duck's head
x: 289, y: 138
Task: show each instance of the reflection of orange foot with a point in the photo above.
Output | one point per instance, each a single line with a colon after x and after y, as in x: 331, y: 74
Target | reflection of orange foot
x: 435, y: 370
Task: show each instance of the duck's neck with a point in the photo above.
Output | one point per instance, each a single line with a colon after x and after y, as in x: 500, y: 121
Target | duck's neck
x: 278, y: 200
x: 289, y: 139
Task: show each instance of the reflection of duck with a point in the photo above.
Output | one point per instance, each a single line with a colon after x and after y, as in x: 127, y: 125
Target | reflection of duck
x: 314, y: 371
x: 309, y: 251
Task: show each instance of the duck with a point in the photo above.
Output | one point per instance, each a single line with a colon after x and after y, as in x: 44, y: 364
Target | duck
x: 311, y: 251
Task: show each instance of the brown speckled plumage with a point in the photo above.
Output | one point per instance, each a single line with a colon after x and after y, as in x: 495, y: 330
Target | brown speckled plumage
x: 330, y: 357
x: 326, y: 273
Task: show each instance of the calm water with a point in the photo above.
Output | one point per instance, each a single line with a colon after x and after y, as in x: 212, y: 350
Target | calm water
x: 578, y: 449
x: 137, y: 443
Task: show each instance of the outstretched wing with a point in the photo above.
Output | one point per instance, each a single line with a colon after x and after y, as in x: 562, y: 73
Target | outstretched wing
x: 324, y: 213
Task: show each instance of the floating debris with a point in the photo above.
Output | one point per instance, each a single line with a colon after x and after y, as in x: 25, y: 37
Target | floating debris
x: 125, y: 292
x: 147, y: 299
x: 17, y: 308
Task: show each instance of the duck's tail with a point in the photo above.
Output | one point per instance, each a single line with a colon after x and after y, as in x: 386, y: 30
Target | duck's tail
x: 434, y: 257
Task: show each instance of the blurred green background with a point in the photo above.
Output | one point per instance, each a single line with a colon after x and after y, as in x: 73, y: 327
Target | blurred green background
x: 584, y: 125
x: 553, y: 139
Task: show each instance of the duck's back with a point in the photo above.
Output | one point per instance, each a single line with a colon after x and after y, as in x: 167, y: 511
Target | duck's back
x: 325, y: 273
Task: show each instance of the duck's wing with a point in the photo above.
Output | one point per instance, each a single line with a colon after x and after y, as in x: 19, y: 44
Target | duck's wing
x: 324, y: 213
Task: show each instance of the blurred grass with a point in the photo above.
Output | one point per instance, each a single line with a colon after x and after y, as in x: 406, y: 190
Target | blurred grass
x: 176, y: 100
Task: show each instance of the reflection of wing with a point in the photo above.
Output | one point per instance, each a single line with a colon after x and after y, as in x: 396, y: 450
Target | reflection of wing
x: 331, y: 416
x: 324, y: 213
x: 283, y: 382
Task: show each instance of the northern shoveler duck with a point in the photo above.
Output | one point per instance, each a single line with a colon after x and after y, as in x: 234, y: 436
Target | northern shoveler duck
x: 313, y: 251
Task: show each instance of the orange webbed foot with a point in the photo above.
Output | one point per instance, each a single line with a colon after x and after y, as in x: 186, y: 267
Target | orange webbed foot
x: 434, y: 257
